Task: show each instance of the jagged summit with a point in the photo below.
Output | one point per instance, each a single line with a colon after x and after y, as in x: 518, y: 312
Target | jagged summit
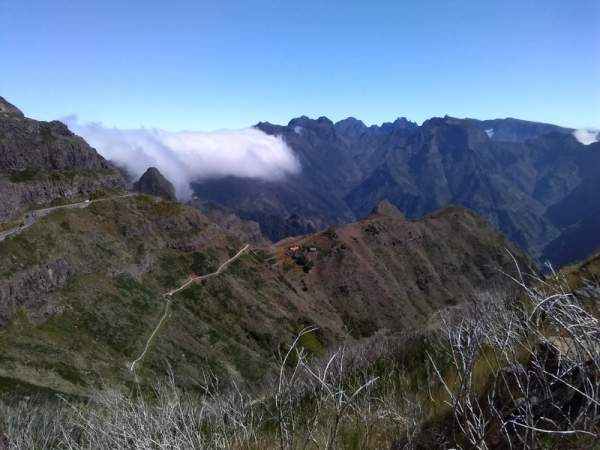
x: 152, y: 182
x: 351, y: 127
x: 523, y: 176
x: 9, y: 109
x: 401, y: 123
x: 305, y: 121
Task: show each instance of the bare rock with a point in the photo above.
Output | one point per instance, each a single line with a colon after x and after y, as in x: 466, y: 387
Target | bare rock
x: 152, y: 182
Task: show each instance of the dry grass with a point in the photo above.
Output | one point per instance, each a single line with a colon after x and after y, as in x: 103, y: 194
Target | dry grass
x: 499, y: 373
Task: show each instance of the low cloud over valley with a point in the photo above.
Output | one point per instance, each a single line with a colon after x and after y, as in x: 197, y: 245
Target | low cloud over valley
x: 186, y: 156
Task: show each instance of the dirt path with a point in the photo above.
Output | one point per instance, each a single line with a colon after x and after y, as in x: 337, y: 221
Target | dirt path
x: 31, y: 217
x: 168, y: 299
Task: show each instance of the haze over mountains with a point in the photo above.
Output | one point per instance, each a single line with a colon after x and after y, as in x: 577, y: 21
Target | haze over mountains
x: 186, y: 156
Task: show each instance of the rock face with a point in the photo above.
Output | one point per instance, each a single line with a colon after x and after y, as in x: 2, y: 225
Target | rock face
x: 27, y: 144
x: 7, y: 108
x: 152, y: 182
x: 532, y: 180
x: 43, y: 162
x: 46, y: 188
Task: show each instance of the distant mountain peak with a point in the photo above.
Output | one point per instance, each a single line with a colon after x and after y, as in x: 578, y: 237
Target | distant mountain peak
x: 385, y: 208
x: 322, y: 127
x: 9, y: 109
x: 351, y: 121
x: 401, y: 123
x: 307, y: 122
x: 351, y: 127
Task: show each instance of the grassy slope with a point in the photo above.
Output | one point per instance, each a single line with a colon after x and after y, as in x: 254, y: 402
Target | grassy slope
x: 122, y: 255
x: 102, y: 315
x: 387, y: 272
x: 588, y: 270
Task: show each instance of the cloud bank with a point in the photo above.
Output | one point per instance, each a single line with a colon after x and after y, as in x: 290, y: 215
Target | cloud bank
x: 586, y: 136
x: 188, y: 156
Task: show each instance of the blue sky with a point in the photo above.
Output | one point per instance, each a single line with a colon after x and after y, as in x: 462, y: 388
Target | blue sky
x: 227, y: 64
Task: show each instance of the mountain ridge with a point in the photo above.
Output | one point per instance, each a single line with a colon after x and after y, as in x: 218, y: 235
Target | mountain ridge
x: 512, y: 171
x: 383, y: 273
x: 82, y: 287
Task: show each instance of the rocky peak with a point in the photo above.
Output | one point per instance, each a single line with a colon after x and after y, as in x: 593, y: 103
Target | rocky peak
x: 351, y: 127
x: 43, y: 162
x: 385, y: 208
x: 455, y: 133
x: 401, y: 123
x: 9, y: 109
x: 322, y: 127
x: 152, y: 182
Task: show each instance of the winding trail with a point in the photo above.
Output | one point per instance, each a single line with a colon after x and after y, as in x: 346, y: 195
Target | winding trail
x: 168, y: 299
x: 31, y: 217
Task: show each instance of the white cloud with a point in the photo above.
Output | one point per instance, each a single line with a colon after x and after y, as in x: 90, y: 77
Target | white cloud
x: 187, y: 156
x: 586, y: 136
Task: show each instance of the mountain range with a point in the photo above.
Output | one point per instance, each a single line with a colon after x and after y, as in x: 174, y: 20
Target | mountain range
x: 378, y: 291
x: 536, y: 182
x: 97, y: 273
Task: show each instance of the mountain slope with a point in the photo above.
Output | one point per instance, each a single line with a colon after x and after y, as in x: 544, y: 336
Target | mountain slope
x: 389, y: 272
x: 81, y: 290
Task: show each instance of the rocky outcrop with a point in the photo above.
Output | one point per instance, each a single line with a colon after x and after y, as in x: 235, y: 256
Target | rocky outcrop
x: 16, y: 198
x: 152, y: 182
x: 27, y: 144
x: 29, y: 289
x: 44, y: 162
x: 7, y: 108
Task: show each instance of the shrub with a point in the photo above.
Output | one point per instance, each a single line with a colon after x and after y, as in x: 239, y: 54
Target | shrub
x: 22, y: 176
x: 202, y: 263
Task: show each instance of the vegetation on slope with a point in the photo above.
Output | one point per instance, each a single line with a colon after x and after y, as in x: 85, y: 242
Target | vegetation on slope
x: 82, y: 290
x: 507, y: 371
x: 87, y: 289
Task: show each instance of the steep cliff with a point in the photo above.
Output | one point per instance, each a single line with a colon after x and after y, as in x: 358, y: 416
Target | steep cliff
x: 43, y: 163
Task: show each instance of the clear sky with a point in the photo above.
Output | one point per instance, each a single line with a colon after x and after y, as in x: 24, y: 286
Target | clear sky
x: 227, y: 64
